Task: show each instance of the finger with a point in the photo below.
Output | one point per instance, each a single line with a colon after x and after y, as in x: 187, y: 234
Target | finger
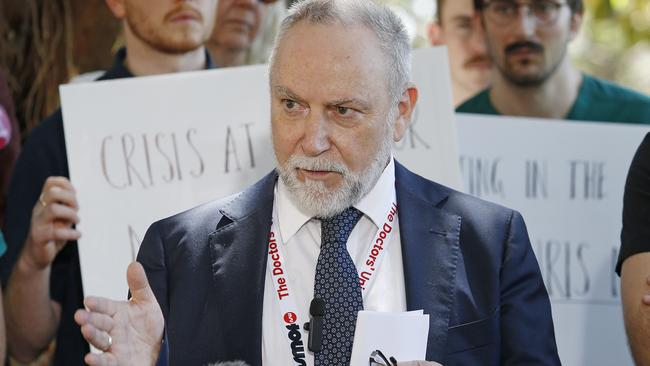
x: 138, y: 284
x: 61, y: 182
x: 99, y: 321
x: 59, y: 232
x: 104, y: 359
x: 60, y: 195
x: 59, y: 212
x: 81, y: 316
x: 647, y: 280
x: 98, y: 338
x: 101, y: 305
x: 65, y: 233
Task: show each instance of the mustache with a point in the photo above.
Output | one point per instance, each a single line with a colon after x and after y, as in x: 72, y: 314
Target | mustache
x: 182, y: 9
x: 536, y: 47
x: 315, y: 163
x: 477, y: 60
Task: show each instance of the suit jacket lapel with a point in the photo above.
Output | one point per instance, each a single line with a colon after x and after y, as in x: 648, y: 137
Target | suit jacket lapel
x: 238, y: 249
x: 430, y: 248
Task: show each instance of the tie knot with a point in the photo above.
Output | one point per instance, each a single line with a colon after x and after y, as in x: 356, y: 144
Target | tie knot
x: 340, y: 226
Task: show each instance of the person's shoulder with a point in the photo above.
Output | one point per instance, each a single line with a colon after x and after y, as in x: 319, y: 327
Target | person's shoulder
x: 479, y: 103
x: 606, y: 91
x: 206, y: 218
x: 638, y: 177
x: 203, y: 219
x: 44, y: 147
x: 452, y: 201
x: 48, y: 131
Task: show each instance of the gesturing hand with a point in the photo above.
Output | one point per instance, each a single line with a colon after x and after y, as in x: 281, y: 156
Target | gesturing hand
x: 129, y: 332
x: 51, y: 225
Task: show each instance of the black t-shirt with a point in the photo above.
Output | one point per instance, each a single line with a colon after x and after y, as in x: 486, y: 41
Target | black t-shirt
x: 635, y: 235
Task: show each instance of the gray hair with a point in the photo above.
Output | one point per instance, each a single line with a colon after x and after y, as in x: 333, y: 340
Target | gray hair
x: 387, y: 26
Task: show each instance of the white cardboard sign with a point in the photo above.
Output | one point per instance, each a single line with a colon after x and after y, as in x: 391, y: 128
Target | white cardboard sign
x: 567, y: 179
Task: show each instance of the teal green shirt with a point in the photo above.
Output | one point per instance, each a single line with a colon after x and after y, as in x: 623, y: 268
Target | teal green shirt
x: 3, y: 245
x: 597, y: 101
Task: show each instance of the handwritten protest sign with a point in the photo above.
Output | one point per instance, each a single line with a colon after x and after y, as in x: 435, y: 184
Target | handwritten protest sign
x: 567, y: 179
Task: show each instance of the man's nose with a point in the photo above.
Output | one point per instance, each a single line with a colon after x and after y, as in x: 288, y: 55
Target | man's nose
x: 317, y: 137
x: 477, y: 40
x: 525, y: 23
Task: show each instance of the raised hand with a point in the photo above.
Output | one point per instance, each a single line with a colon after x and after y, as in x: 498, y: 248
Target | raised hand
x: 129, y: 332
x: 51, y: 227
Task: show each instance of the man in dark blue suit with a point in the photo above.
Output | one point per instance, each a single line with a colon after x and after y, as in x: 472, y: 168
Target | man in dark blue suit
x: 217, y: 276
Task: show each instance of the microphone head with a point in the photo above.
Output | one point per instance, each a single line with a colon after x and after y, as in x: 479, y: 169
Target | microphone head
x: 317, y: 307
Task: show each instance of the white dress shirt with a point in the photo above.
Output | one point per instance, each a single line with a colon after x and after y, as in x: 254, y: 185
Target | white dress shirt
x: 300, y: 238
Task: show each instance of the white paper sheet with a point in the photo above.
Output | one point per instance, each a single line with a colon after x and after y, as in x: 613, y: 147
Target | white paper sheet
x: 401, y: 335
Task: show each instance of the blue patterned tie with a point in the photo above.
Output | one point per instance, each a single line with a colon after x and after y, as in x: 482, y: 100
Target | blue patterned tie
x: 337, y: 283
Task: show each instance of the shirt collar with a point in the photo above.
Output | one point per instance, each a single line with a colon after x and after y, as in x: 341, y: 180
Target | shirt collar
x: 119, y: 70
x: 374, y: 205
x: 378, y: 201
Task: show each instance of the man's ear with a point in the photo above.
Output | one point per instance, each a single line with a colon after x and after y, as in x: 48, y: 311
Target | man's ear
x: 576, y: 22
x: 434, y: 31
x: 117, y: 8
x: 405, y: 108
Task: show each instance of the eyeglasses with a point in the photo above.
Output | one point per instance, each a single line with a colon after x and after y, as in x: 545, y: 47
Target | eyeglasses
x: 267, y: 1
x: 377, y: 358
x: 545, y: 12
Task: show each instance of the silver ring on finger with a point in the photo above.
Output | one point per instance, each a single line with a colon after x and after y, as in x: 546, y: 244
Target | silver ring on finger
x: 110, y: 343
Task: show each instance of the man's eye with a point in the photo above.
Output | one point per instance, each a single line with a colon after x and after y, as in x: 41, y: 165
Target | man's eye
x: 343, y: 111
x: 542, y: 7
x: 289, y: 104
x: 504, y: 8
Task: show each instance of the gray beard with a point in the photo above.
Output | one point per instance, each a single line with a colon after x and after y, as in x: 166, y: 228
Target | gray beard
x: 315, y: 199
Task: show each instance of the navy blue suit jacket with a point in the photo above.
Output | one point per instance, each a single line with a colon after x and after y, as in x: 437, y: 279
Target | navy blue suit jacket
x: 467, y: 263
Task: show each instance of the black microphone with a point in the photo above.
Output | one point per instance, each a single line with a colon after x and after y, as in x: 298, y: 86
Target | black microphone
x: 316, y: 312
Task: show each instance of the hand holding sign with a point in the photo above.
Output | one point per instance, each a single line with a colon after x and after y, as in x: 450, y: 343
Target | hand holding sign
x: 129, y: 332
x: 51, y: 225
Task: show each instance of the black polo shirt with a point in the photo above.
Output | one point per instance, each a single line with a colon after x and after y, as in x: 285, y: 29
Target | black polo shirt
x: 44, y: 155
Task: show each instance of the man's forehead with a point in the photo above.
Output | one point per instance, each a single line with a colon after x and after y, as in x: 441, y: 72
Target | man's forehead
x: 457, y: 8
x: 330, y: 62
x: 329, y: 46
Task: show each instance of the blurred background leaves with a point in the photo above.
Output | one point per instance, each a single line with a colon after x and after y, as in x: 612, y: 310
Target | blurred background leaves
x: 614, y: 42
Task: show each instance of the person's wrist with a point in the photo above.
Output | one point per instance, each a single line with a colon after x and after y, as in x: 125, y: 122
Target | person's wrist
x: 26, y: 262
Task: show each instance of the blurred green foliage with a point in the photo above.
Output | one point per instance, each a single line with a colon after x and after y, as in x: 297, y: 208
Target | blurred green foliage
x: 620, y: 22
x: 614, y: 42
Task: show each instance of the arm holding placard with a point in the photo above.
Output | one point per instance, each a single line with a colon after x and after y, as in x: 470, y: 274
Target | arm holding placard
x: 28, y: 301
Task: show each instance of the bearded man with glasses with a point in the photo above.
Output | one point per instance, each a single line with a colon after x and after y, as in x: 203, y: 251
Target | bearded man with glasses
x: 528, y: 41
